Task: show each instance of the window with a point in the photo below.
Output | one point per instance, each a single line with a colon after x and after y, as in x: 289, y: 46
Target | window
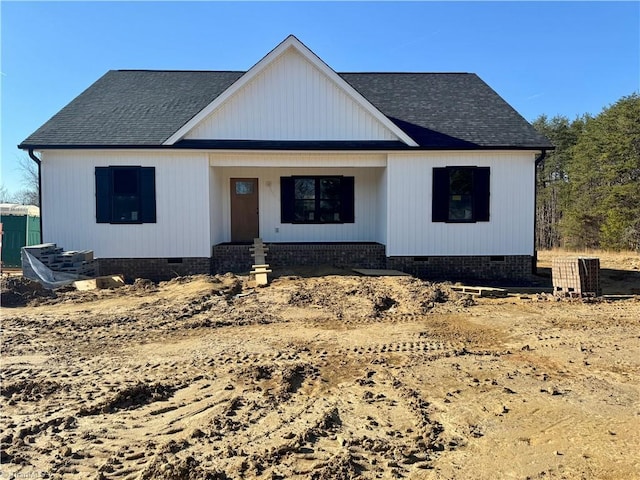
x: 460, y: 194
x: 317, y: 199
x: 244, y: 188
x: 125, y: 195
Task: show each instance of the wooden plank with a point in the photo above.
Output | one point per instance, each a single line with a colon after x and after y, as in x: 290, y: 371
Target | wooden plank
x: 480, y: 291
x: 98, y: 283
x: 261, y: 279
x: 375, y: 272
x: 530, y: 290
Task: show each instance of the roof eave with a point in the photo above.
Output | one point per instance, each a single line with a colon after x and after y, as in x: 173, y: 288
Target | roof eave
x: 404, y: 148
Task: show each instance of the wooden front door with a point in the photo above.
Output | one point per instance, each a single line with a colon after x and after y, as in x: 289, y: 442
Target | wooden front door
x: 244, y: 209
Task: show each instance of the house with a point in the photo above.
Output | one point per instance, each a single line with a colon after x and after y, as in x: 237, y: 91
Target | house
x: 171, y: 172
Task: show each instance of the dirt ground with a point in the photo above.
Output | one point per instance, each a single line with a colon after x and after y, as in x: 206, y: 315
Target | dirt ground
x: 321, y: 377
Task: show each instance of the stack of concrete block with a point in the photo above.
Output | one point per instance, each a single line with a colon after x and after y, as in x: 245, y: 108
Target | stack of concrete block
x: 56, y: 259
x: 576, y: 277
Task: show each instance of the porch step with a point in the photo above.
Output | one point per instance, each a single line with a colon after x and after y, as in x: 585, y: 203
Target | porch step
x: 261, y: 267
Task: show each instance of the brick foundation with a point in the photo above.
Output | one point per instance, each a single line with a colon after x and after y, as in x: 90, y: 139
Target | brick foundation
x: 513, y: 269
x: 236, y: 258
x: 156, y: 269
x: 485, y: 269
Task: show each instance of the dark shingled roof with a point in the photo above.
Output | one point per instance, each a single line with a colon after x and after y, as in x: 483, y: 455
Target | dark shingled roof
x: 130, y: 108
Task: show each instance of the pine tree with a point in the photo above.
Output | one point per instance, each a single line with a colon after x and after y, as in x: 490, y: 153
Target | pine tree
x: 604, y: 180
x: 552, y: 177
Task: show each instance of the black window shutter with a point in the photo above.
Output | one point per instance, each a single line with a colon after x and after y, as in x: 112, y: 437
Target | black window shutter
x: 481, y: 194
x: 287, y: 200
x: 440, y: 200
x: 103, y: 195
x: 148, y: 195
x: 347, y: 198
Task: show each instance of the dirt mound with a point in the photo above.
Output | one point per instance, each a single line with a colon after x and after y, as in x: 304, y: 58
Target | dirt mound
x: 294, y: 376
x: 226, y: 285
x: 18, y: 291
x: 341, y: 467
x: 168, y: 467
x: 29, y: 390
x: 131, y: 398
x: 144, y: 284
x: 354, y: 298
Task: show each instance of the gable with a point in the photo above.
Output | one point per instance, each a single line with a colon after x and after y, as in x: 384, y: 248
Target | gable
x: 291, y: 99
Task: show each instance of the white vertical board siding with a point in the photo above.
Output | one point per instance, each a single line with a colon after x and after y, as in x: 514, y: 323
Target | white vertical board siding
x: 367, y: 217
x: 291, y: 100
x: 216, y: 190
x: 382, y: 208
x: 298, y: 159
x: 410, y: 230
x: 182, y: 205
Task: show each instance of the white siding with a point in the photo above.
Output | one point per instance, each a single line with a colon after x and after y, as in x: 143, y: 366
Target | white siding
x: 410, y: 230
x: 298, y: 159
x: 182, y: 205
x: 392, y: 202
x: 382, y: 208
x: 215, y: 206
x: 367, y: 217
x: 291, y: 100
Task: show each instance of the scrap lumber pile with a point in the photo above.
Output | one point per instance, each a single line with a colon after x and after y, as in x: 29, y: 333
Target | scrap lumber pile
x: 79, y: 263
x: 576, y: 277
x: 480, y: 291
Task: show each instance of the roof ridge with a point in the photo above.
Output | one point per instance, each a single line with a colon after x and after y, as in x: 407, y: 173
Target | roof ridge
x: 409, y: 73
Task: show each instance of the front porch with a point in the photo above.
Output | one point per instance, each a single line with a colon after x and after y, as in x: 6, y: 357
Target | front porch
x: 281, y: 212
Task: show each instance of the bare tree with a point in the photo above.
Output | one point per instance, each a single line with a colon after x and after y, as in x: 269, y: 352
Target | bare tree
x: 5, y: 195
x: 26, y: 197
x: 30, y: 194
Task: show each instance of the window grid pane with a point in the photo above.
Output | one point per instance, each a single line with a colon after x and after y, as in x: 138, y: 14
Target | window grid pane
x: 461, y: 194
x: 305, y: 211
x: 305, y: 189
x: 460, y: 207
x: 461, y: 181
x: 330, y: 188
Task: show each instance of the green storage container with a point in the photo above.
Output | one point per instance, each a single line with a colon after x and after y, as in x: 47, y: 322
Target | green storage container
x: 20, y: 228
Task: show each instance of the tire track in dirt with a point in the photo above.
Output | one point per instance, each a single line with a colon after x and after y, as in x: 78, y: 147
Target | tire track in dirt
x: 343, y: 378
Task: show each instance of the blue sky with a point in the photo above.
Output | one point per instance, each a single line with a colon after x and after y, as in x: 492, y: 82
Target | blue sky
x: 554, y: 58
